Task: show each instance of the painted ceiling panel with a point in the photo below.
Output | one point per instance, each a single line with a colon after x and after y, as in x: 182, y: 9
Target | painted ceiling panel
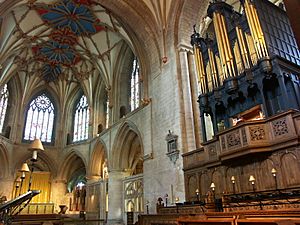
x: 35, y: 22
x: 63, y: 39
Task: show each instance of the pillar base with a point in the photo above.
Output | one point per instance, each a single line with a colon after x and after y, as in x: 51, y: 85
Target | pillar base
x: 114, y: 222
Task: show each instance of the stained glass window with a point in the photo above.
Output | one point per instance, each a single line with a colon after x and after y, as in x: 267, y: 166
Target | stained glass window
x: 3, y: 105
x: 135, y: 85
x: 40, y: 119
x: 81, y: 120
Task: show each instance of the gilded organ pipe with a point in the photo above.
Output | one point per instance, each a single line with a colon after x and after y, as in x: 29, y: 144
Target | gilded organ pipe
x: 213, y: 69
x: 200, y: 69
x: 255, y: 29
x: 224, y: 45
x: 199, y: 62
x: 243, y: 48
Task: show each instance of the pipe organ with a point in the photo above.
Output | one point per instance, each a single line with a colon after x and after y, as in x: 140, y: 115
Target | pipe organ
x: 249, y: 66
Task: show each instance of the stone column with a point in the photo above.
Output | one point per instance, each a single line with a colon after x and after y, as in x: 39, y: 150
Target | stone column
x: 93, y: 194
x: 115, y: 197
x: 7, y: 187
x: 59, y: 194
x: 190, y: 143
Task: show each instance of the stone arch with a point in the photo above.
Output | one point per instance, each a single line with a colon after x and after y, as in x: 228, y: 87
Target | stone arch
x: 290, y: 168
x: 72, y: 162
x: 14, y: 97
x: 54, y: 100
x: 127, y: 151
x: 44, y: 163
x: 145, y: 39
x: 193, y: 11
x: 4, y: 162
x: 97, y: 159
x: 121, y: 81
x: 37, y: 90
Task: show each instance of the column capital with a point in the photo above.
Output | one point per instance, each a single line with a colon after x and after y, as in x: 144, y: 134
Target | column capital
x: 59, y: 181
x: 183, y: 47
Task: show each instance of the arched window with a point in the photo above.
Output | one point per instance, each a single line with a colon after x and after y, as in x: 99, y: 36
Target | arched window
x: 106, y: 108
x: 81, y: 120
x: 3, y: 105
x: 135, y: 85
x: 40, y: 119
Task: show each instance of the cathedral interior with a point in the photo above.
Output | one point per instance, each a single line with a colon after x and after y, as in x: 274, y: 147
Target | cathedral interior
x: 87, y: 121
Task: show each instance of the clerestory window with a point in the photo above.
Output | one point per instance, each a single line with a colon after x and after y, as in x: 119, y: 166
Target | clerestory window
x: 4, y: 94
x: 135, y: 85
x: 40, y: 119
x: 81, y: 120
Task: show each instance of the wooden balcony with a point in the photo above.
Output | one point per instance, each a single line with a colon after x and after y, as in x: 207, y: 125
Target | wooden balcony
x: 267, y: 135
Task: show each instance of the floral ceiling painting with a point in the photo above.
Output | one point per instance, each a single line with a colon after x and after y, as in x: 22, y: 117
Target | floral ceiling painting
x: 69, y: 19
x: 61, y: 40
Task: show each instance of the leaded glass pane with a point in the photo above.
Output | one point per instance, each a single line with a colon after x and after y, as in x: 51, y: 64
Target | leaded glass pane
x: 3, y: 105
x: 40, y: 119
x: 135, y: 85
x: 81, y: 120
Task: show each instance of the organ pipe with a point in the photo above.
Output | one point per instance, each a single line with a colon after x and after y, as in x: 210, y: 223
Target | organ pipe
x: 200, y: 69
x: 224, y: 45
x: 243, y: 48
x: 199, y: 62
x: 213, y: 69
x: 255, y: 29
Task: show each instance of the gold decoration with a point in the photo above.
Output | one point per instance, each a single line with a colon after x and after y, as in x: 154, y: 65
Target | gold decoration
x: 256, y: 30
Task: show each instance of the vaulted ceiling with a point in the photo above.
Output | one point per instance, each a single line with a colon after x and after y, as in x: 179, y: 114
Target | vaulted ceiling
x: 60, y: 40
x: 71, y: 43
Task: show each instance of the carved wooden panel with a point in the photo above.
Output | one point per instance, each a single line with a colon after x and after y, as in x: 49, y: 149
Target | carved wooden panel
x: 218, y: 180
x: 265, y: 177
x: 280, y: 127
x: 290, y: 169
x: 233, y: 139
x: 204, y: 184
x: 223, y: 144
x: 244, y: 136
x: 192, y: 186
x: 212, y: 151
x: 257, y: 133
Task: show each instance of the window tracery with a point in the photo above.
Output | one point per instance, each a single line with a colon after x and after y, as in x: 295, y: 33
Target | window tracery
x: 4, y: 94
x: 40, y: 119
x: 135, y: 85
x: 81, y: 120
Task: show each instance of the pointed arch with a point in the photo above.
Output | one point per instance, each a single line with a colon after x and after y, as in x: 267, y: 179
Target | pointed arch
x: 127, y: 149
x: 44, y: 163
x: 71, y: 164
x: 4, y: 98
x: 97, y: 159
x: 42, y: 105
x: 81, y: 119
